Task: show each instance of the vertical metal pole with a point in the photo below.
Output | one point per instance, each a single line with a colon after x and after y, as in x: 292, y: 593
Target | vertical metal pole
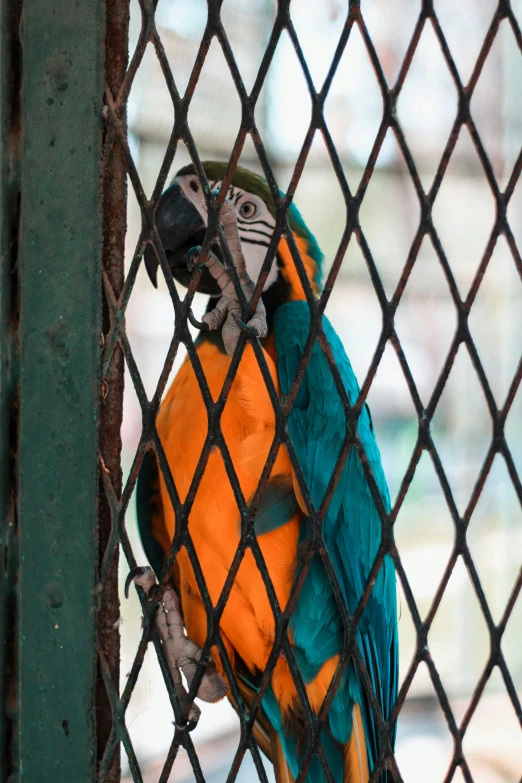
x: 59, y: 266
x: 114, y: 229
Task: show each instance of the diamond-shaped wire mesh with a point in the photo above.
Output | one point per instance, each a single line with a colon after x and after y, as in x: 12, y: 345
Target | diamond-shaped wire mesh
x: 118, y: 292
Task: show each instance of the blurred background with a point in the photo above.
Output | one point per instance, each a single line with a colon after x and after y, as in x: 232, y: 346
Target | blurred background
x: 464, y: 214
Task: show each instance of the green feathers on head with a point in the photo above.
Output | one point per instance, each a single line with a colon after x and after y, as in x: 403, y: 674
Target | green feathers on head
x: 253, y: 183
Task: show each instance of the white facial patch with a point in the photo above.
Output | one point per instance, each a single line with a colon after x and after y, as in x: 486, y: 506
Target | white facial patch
x: 254, y: 221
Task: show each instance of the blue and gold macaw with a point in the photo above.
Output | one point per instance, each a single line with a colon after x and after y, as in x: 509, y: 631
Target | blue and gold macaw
x: 316, y: 427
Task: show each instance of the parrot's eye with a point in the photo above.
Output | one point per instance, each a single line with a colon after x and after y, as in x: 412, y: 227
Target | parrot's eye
x: 248, y: 209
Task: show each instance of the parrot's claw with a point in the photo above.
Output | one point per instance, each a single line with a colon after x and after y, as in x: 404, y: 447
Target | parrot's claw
x: 187, y: 727
x: 192, y: 258
x: 250, y: 330
x: 133, y: 573
x: 181, y: 653
x: 202, y: 664
x: 225, y: 315
x: 198, y: 324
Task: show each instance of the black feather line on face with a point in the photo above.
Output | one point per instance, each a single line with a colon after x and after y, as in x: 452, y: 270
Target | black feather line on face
x: 254, y: 242
x: 253, y: 231
x: 244, y: 222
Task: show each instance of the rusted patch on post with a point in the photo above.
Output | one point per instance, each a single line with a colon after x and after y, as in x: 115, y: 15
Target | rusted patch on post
x: 111, y: 391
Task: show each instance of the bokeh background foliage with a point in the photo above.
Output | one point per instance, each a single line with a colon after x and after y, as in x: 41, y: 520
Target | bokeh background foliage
x: 464, y: 214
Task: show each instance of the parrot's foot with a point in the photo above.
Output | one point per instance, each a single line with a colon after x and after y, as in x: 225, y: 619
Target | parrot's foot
x: 181, y: 653
x: 227, y: 312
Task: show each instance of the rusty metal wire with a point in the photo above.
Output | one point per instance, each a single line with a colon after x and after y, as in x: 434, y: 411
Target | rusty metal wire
x: 116, y: 339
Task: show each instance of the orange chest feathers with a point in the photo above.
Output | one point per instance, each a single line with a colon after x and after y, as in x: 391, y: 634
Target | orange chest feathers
x: 248, y: 427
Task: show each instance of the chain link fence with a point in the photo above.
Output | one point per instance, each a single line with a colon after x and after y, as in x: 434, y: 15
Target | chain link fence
x: 117, y: 347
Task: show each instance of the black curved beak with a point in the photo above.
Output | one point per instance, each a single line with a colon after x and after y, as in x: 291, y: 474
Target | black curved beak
x: 180, y: 228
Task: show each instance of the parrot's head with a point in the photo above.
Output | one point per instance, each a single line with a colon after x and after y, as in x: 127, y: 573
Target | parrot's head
x: 181, y: 220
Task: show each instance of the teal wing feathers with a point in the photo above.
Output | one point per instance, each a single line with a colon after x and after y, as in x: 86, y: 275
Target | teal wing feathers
x: 351, y: 530
x: 149, y: 510
x: 278, y: 505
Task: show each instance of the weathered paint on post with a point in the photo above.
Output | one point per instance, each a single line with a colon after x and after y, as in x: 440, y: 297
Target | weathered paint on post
x: 59, y: 266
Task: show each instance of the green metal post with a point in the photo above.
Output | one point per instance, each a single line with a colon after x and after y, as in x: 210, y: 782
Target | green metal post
x: 59, y: 268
